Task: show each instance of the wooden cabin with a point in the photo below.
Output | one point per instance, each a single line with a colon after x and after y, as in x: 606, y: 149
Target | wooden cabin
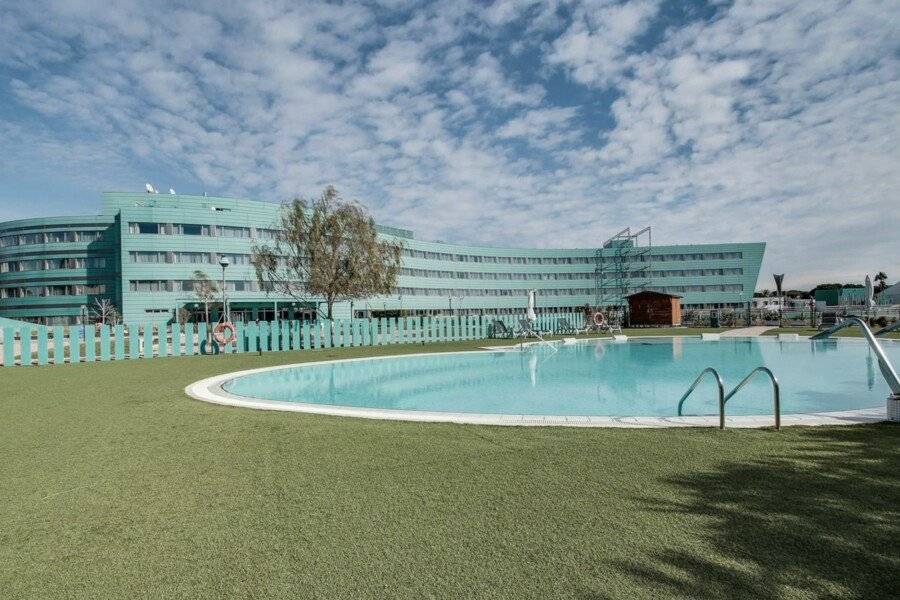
x: 654, y: 309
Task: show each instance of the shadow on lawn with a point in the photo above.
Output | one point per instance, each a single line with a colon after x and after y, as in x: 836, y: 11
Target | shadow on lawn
x: 817, y: 520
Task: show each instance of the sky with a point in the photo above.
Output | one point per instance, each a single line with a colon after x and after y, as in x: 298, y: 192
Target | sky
x: 507, y: 123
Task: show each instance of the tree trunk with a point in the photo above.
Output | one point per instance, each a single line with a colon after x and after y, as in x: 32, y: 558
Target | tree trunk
x: 329, y: 303
x: 208, y: 329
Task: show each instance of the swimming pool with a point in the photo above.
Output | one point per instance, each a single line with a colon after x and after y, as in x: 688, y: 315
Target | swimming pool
x: 595, y: 379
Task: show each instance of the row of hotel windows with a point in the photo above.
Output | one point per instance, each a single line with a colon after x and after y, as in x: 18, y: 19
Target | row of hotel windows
x: 212, y: 258
x: 52, y: 264
x: 563, y: 276
x: 260, y: 233
x: 144, y: 256
x: 564, y: 260
x: 42, y: 291
x: 200, y: 229
x: 187, y: 285
x: 676, y: 289
x: 51, y: 237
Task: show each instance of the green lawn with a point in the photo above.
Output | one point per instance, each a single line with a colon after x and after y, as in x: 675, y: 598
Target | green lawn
x: 113, y: 484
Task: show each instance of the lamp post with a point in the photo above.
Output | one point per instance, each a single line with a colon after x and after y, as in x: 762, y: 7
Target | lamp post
x: 83, y: 321
x: 224, y: 262
x: 779, y: 279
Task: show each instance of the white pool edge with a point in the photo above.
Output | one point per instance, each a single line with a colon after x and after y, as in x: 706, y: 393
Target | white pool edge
x: 211, y: 390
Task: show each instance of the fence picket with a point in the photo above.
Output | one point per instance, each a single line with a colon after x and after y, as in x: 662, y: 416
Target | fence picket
x: 104, y: 342
x: 202, y: 338
x: 327, y: 333
x: 148, y: 341
x: 275, y: 336
x: 90, y: 348
x: 176, y: 340
x: 42, y: 346
x: 295, y: 335
x: 9, y: 347
x: 119, y: 341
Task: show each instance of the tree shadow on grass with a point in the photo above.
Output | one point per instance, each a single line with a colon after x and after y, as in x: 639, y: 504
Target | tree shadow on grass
x: 818, y: 519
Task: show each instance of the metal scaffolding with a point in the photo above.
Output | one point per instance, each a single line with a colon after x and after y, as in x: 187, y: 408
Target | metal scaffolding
x: 622, y: 266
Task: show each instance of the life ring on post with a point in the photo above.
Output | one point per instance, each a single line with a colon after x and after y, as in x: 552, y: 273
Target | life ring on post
x: 221, y: 328
x: 599, y: 319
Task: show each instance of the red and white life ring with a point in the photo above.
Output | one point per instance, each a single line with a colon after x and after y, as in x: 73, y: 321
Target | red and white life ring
x: 220, y: 329
x: 599, y: 319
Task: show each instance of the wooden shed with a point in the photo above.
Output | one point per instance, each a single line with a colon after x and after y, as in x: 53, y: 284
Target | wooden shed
x: 654, y: 309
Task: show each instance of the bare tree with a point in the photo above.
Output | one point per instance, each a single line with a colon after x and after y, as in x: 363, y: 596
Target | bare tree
x: 205, y: 289
x: 104, y: 311
x: 183, y: 315
x: 328, y: 249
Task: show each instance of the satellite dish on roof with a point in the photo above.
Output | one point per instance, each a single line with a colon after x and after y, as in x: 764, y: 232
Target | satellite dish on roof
x: 150, y: 188
x: 171, y: 191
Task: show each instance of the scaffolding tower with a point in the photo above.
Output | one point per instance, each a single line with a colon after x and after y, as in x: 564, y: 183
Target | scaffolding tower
x: 622, y: 266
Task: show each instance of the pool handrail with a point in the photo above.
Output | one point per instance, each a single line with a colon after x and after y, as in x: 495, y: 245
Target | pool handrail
x: 721, y: 386
x: 776, y: 391
x: 884, y: 363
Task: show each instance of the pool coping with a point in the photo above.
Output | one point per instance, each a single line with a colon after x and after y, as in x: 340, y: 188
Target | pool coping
x: 210, y: 390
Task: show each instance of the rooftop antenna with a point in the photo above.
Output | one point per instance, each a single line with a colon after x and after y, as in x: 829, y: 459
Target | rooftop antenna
x: 150, y: 189
x: 171, y: 191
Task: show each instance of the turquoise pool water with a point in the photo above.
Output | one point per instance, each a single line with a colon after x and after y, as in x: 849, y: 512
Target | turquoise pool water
x: 634, y: 378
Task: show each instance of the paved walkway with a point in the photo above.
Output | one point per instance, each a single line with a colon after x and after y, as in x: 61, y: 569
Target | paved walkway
x: 746, y: 331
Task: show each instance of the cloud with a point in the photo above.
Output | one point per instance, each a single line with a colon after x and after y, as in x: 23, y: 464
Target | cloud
x: 594, y: 47
x: 513, y: 122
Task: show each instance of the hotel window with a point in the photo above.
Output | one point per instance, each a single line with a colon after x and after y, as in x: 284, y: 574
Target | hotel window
x: 59, y: 237
x: 31, y: 238
x: 147, y: 257
x: 146, y: 286
x: 191, y: 229
x: 193, y: 257
x: 59, y: 290
x: 232, y: 232
x: 89, y: 236
x: 267, y: 234
x: 93, y: 288
x: 144, y: 228
x: 238, y: 259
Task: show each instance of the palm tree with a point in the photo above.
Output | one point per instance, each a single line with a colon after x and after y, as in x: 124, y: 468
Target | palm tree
x: 880, y: 282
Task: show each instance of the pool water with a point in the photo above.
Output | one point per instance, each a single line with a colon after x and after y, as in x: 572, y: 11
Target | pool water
x: 635, y: 378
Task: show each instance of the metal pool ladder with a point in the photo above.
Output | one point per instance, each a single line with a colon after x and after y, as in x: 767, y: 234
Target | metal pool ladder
x: 723, y: 397
x: 721, y: 386
x: 776, y: 393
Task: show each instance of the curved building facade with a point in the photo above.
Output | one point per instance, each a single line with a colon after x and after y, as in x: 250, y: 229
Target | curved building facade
x: 142, y: 250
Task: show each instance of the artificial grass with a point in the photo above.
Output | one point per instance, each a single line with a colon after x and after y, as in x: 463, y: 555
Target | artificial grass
x: 113, y: 484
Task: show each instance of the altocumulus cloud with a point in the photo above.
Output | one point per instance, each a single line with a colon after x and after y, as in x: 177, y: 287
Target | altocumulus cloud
x: 505, y: 123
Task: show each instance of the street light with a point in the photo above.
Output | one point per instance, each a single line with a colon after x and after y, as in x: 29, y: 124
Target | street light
x: 83, y: 321
x: 224, y: 262
x: 779, y: 280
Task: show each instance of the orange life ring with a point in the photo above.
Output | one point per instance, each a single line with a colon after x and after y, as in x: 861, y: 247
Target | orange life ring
x: 599, y: 319
x: 220, y: 328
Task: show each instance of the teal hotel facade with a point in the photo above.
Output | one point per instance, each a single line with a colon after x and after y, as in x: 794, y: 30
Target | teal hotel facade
x: 141, y: 251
